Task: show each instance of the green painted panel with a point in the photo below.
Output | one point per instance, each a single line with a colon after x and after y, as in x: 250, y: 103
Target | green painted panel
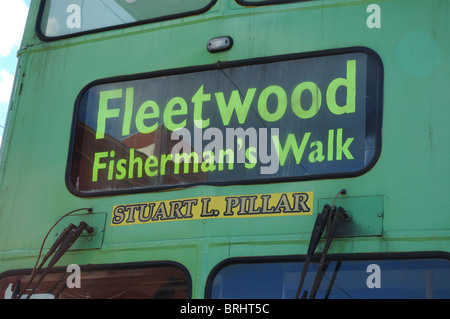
x: 85, y: 241
x: 366, y: 215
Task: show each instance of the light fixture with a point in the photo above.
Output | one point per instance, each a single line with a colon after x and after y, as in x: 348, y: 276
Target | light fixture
x: 220, y: 44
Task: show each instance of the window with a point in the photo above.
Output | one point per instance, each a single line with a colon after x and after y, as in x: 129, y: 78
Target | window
x: 61, y: 18
x: 134, y: 281
x: 354, y: 279
x: 285, y: 118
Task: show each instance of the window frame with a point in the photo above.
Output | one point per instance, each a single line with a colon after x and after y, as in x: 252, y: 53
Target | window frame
x: 41, y: 35
x: 110, y: 267
x: 377, y: 125
x: 261, y: 3
x: 316, y: 258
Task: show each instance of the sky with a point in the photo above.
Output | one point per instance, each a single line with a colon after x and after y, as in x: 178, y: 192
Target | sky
x: 13, y: 15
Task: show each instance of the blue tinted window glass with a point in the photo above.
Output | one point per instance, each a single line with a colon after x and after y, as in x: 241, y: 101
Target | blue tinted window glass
x: 386, y: 279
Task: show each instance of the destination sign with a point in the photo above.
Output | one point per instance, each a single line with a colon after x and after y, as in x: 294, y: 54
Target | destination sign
x: 282, y: 118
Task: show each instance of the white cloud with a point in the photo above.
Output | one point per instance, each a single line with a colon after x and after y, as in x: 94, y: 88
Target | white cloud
x: 13, y: 15
x: 6, y: 84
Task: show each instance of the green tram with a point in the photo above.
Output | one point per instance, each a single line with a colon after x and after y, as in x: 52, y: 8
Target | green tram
x: 228, y: 149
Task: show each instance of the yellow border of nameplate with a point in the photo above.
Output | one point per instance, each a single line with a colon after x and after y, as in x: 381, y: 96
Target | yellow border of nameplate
x: 213, y: 207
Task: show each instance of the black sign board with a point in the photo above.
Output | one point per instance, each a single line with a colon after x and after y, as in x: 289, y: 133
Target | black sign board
x: 285, y: 118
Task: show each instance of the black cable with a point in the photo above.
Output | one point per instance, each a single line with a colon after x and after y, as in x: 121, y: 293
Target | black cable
x: 319, y: 227
x: 330, y: 286
x: 72, y: 235
x: 336, y: 218
x: 34, y: 272
x: 323, y: 219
